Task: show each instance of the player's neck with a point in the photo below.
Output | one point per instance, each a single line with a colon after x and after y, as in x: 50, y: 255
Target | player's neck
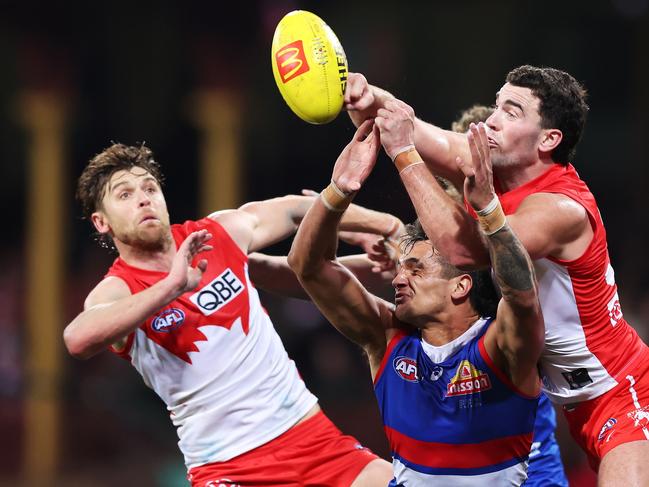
x: 516, y: 175
x: 150, y: 260
x: 448, y: 328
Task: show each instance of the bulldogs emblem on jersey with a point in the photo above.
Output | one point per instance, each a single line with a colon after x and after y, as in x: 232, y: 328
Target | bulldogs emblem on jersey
x: 170, y: 319
x: 436, y: 373
x: 467, y: 380
x: 406, y: 368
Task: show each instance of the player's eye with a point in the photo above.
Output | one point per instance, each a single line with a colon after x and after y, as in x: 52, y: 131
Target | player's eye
x: 123, y: 195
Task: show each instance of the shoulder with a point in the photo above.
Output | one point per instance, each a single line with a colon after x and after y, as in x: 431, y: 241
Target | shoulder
x: 108, y: 290
x: 238, y: 224
x: 550, y: 224
x: 557, y: 211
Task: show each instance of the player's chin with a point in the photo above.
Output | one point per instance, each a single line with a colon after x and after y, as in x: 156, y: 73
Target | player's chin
x: 401, y: 311
x: 153, y: 237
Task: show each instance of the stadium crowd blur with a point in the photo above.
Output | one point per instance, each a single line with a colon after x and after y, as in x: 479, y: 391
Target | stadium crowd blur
x: 152, y: 71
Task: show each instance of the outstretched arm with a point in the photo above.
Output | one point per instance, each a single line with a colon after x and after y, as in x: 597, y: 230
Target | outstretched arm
x: 258, y: 224
x: 451, y: 229
x: 438, y: 147
x: 111, y: 312
x: 567, y: 228
x: 338, y: 294
x: 516, y: 340
x: 273, y: 274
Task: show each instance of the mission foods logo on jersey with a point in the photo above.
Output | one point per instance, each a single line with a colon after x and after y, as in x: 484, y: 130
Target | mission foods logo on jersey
x: 406, y: 367
x: 218, y: 293
x: 467, y: 380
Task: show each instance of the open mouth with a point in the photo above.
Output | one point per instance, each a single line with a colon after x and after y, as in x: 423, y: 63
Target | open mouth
x: 399, y: 298
x: 148, y: 218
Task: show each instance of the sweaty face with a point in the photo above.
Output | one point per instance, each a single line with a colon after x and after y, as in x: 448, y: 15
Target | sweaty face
x: 421, y: 291
x: 134, y: 211
x: 514, y: 128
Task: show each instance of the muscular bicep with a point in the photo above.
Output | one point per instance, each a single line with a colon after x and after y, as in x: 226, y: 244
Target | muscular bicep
x: 273, y: 274
x: 343, y: 300
x: 552, y: 225
x: 108, y: 291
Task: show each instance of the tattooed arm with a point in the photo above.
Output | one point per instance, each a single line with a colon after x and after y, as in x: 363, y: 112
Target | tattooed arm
x: 518, y: 332
x: 515, y: 340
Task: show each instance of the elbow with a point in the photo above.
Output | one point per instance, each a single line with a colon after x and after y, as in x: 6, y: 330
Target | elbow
x: 297, y: 262
x: 302, y: 265
x: 76, y: 345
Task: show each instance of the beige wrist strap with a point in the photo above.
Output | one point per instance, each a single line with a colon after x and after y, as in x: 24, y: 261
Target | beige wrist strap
x: 492, y: 217
x: 407, y: 158
x: 334, y: 199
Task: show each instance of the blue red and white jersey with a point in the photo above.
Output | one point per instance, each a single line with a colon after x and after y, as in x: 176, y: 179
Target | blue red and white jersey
x: 214, y: 358
x: 545, y: 466
x: 589, y: 346
x: 451, y: 417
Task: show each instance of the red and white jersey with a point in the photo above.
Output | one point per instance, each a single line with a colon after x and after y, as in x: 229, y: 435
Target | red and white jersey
x: 214, y: 358
x: 589, y: 346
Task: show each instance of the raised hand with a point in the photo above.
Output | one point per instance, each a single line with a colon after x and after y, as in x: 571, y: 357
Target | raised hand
x: 357, y: 159
x: 396, y: 122
x: 383, y: 251
x: 183, y: 275
x: 478, y: 173
x: 359, y: 95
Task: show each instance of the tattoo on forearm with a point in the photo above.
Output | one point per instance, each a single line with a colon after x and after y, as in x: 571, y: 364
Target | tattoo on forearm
x: 511, y: 263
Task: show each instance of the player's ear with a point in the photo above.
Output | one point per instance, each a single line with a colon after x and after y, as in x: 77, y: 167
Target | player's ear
x: 462, y: 287
x: 550, y: 139
x: 100, y: 222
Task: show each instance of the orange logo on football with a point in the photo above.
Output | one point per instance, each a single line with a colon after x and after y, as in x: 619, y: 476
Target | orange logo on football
x: 291, y: 61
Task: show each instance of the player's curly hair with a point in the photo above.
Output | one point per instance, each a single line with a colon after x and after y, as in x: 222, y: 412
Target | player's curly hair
x: 475, y: 114
x: 562, y: 104
x: 483, y: 295
x: 91, y: 186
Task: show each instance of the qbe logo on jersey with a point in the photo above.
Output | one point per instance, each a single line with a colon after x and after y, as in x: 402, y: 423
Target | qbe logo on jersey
x: 218, y: 293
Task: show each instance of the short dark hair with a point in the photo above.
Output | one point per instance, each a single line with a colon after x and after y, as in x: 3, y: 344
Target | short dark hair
x: 483, y: 295
x: 94, y: 178
x: 562, y: 104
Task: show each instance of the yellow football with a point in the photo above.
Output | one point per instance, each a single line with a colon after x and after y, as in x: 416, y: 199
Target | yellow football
x: 310, y: 66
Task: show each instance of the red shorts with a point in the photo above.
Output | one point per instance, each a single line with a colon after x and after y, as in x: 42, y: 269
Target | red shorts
x: 619, y: 416
x: 314, y: 452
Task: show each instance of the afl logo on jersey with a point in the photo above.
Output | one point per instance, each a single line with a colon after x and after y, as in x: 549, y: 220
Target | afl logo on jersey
x: 170, y: 319
x: 406, y: 368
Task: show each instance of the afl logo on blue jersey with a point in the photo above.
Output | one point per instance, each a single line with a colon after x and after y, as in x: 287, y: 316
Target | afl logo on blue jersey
x: 170, y: 319
x: 406, y: 367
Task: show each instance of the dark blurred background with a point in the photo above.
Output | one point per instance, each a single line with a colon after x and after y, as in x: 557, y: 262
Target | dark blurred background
x: 194, y: 81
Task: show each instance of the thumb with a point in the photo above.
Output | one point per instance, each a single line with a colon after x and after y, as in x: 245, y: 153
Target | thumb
x: 202, y: 265
x: 466, y: 169
x: 364, y: 130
